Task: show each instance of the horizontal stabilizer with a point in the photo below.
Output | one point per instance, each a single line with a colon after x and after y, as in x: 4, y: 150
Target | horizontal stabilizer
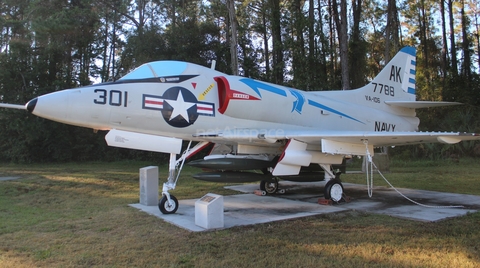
x: 420, y: 104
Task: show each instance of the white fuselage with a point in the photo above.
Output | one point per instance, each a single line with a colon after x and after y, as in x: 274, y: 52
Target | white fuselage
x: 124, y: 106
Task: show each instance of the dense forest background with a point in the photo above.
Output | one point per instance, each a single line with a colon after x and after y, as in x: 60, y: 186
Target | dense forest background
x: 49, y: 45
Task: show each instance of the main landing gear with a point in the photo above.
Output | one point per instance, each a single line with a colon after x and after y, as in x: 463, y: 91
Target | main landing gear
x: 269, y: 186
x: 333, y: 188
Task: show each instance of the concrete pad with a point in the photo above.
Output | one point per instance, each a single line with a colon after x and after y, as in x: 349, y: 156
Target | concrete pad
x: 433, y: 206
x: 301, y: 200
x: 8, y: 178
x: 242, y: 209
x: 437, y: 205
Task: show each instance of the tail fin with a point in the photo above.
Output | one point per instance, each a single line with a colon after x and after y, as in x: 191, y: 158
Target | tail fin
x: 396, y: 81
x: 394, y: 86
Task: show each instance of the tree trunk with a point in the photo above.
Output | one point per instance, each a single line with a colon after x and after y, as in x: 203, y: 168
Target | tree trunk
x: 477, y: 35
x: 299, y: 60
x: 332, y: 45
x: 453, y: 48
x: 341, y: 22
x: 311, y: 45
x: 444, y: 42
x: 278, y: 63
x: 357, y: 53
x: 322, y: 74
x: 233, y: 40
x: 265, y: 43
x: 391, y: 30
x: 423, y: 32
x: 466, y: 71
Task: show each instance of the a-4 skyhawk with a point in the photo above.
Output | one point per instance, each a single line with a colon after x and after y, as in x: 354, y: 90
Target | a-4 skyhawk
x: 284, y: 132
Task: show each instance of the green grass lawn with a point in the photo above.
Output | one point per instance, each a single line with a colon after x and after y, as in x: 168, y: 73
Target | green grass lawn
x: 63, y: 215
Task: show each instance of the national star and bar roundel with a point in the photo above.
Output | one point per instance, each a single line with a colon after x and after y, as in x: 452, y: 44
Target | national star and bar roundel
x: 179, y: 107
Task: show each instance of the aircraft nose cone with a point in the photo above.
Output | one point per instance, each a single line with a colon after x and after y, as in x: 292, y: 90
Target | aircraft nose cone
x: 31, y: 105
x: 53, y: 106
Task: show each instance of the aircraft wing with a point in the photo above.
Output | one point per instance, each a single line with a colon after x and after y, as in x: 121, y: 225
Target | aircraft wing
x: 377, y: 139
x: 386, y: 138
x: 304, y: 147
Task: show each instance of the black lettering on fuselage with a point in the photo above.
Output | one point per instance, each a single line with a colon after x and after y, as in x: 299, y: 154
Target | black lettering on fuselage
x: 382, y: 127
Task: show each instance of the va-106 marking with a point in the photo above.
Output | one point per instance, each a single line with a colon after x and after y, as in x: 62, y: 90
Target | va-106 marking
x: 372, y: 99
x: 286, y: 133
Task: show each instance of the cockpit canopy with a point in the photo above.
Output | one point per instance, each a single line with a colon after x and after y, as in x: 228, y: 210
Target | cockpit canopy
x: 156, y: 69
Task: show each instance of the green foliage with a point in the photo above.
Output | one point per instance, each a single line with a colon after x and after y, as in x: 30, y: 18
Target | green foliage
x: 463, y: 89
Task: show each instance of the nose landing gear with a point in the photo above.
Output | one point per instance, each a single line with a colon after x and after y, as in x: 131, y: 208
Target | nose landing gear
x: 168, y: 204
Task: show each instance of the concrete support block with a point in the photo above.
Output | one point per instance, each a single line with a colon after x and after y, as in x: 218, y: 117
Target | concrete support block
x: 209, y: 211
x: 149, y: 186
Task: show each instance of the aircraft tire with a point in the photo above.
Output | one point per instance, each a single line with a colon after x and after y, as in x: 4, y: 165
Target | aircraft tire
x: 333, y: 190
x: 165, y: 207
x: 270, y: 186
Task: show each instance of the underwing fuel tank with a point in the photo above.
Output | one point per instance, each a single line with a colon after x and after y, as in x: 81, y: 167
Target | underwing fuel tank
x: 242, y: 177
x: 230, y: 176
x: 232, y: 169
x: 225, y: 163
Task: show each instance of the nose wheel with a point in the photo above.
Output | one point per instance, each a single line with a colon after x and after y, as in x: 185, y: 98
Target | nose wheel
x: 168, y: 206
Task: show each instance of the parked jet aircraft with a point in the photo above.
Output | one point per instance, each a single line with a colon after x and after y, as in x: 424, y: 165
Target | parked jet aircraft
x: 253, y: 124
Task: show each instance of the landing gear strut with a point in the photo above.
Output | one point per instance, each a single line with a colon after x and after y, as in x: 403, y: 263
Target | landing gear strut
x: 168, y: 204
x: 333, y: 188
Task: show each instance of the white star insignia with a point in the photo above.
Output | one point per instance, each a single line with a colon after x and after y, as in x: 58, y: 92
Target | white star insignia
x: 180, y: 107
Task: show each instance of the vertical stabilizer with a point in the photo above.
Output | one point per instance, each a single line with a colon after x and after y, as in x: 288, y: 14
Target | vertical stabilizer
x: 396, y: 81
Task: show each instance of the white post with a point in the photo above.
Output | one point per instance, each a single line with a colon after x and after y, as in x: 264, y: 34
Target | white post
x: 149, y: 186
